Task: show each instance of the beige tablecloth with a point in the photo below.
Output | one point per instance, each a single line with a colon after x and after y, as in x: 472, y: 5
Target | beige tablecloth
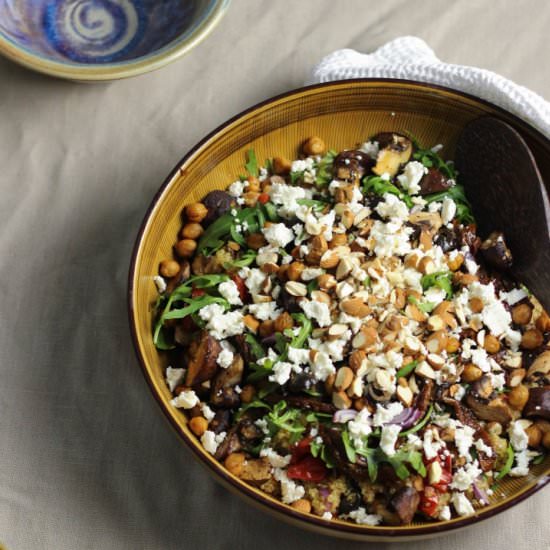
x: 86, y: 460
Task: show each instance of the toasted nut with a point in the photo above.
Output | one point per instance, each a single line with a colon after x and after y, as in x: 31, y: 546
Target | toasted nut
x: 329, y: 383
x: 251, y: 323
x: 340, y: 400
x: 424, y: 370
x: 295, y: 270
x: 534, y: 435
x: 344, y: 268
x: 399, y: 298
x: 464, y: 279
x: 532, y: 339
x: 411, y: 260
x: 338, y: 239
x: 232, y: 245
x: 302, y: 505
x: 337, y: 330
x: 294, y: 288
x: 437, y: 342
x: 326, y: 281
x: 516, y: 377
x: 426, y: 265
x: 491, y: 344
x: 247, y: 394
x: 355, y: 307
x: 314, y: 146
x: 356, y: 359
x: 471, y: 373
x: 255, y: 241
x: 425, y: 240
x: 453, y: 344
x: 412, y: 312
x: 546, y: 440
x: 348, y: 218
x: 320, y: 296
x: 521, y: 314
x: 405, y: 394
x: 196, y: 212
x: 443, y: 308
x: 251, y: 198
x: 543, y: 322
x: 235, y: 463
x: 344, y: 378
x: 436, y: 322
x: 456, y: 262
x: 198, y: 425
x: 476, y: 304
x: 317, y: 248
x: 283, y: 322
x: 544, y: 425
x: 169, y: 268
x: 281, y: 166
x: 518, y: 397
x: 185, y: 248
x: 412, y: 345
x: 191, y: 231
x: 329, y: 259
x: 365, y: 338
x: 436, y: 361
x: 269, y: 268
x: 434, y: 472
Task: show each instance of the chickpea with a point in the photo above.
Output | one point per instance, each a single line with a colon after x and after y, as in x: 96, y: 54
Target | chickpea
x: 534, y: 435
x: 251, y: 198
x: 253, y: 184
x: 191, y: 231
x: 169, y: 268
x: 235, y: 463
x: 283, y: 322
x: 476, y: 305
x: 255, y: 241
x: 281, y: 166
x: 314, y: 146
x: 471, y: 373
x: 185, y: 248
x: 543, y: 322
x: 198, y: 425
x: 521, y: 314
x: 302, y: 505
x: 546, y: 440
x: 518, y: 397
x: 196, y: 212
x: 491, y: 344
x: 295, y: 271
x: 248, y: 393
x: 532, y: 339
x: 456, y: 262
x: 452, y: 345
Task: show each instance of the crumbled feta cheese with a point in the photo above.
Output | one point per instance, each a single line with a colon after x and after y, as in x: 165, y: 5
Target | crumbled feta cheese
x: 448, y: 210
x: 464, y: 477
x: 322, y: 366
x: 316, y: 311
x: 275, y: 459
x: 411, y: 176
x: 286, y: 197
x: 496, y: 318
x: 174, y: 377
x: 431, y: 447
x: 207, y: 412
x: 464, y: 439
x: 386, y: 414
x: 236, y: 188
x: 230, y: 291
x: 298, y: 356
x: 219, y: 324
x: 265, y: 310
x: 393, y: 208
x: 434, y: 206
x: 390, y: 239
x: 281, y: 372
x: 160, y: 283
x: 361, y: 517
x: 310, y: 273
x: 461, y: 504
x: 388, y: 439
x: 225, y: 358
x: 523, y: 458
x: 210, y: 440
x: 482, y: 447
x: 290, y: 490
x: 253, y: 279
x: 444, y: 513
x: 185, y: 400
x: 435, y: 295
x: 326, y: 515
x: 518, y: 437
x: 360, y: 427
x: 514, y: 296
x: 278, y: 234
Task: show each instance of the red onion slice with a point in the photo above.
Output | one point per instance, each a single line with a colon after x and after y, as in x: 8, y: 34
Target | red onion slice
x: 480, y: 495
x: 344, y: 415
x: 406, y: 418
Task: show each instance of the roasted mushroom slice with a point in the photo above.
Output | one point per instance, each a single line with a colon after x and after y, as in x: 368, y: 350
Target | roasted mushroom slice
x: 538, y: 404
x: 405, y: 503
x: 433, y: 181
x: 351, y: 165
x: 256, y: 471
x: 539, y: 371
x: 202, y: 365
x: 495, y: 251
x: 395, y: 150
x: 218, y: 203
x: 223, y: 390
x: 479, y: 399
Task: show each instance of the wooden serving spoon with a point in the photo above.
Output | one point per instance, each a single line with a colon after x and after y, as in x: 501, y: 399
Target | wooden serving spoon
x: 507, y: 193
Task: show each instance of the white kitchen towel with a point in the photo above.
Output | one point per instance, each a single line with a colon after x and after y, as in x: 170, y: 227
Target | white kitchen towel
x: 409, y: 57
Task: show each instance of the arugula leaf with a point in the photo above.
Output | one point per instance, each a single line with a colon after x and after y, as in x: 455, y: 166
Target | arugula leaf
x: 431, y: 159
x: 255, y: 404
x: 426, y: 307
x: 317, y: 204
x: 539, y: 459
x: 406, y: 369
x: 323, y: 170
x: 348, y: 446
x: 195, y: 304
x: 458, y: 195
x: 508, y: 464
x: 319, y: 450
x: 306, y: 328
x: 271, y: 212
x: 380, y: 186
x: 252, y: 164
x: 260, y: 370
x: 244, y: 260
x: 284, y: 418
x: 441, y: 279
x: 255, y: 346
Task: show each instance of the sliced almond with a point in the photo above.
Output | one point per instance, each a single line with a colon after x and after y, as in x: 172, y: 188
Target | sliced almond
x: 435, y: 322
x: 412, y: 345
x: 320, y: 296
x: 405, y: 395
x: 426, y: 265
x: 384, y: 380
x: 436, y: 361
x: 365, y: 338
x: 337, y: 330
x: 329, y: 259
x: 262, y: 299
x: 516, y: 377
x: 425, y: 240
x: 326, y: 281
x: 423, y: 369
x: 437, y: 342
x: 414, y: 313
x: 295, y: 288
x: 348, y: 218
x: 355, y: 307
x: 340, y: 400
x: 344, y: 378
x: 344, y: 268
x: 357, y: 359
x: 411, y: 260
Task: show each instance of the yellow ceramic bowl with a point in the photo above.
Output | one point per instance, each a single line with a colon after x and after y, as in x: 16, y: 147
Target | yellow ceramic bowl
x: 344, y: 114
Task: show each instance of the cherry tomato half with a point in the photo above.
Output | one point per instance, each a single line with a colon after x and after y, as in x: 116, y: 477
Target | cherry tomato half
x: 301, y: 450
x: 263, y: 198
x: 308, y: 469
x: 429, y: 500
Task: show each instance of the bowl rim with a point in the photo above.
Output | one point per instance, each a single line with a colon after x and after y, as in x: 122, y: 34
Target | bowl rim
x: 96, y: 72
x: 267, y: 503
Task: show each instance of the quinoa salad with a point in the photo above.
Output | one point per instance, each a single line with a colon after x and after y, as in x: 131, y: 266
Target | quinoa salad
x: 340, y: 338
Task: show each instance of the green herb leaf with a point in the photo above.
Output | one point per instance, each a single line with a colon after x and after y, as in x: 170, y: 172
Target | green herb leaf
x: 508, y: 464
x: 195, y: 304
x: 284, y: 418
x: 323, y: 170
x: 458, y: 195
x: 244, y: 260
x: 271, y: 212
x: 406, y: 369
x: 431, y: 159
x: 255, y: 346
x: 255, y: 404
x: 426, y: 307
x: 317, y: 204
x: 348, y: 446
x: 442, y: 279
x: 252, y: 164
x: 380, y: 186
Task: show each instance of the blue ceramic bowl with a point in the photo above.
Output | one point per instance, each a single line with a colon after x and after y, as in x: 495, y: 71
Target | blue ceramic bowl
x: 103, y: 39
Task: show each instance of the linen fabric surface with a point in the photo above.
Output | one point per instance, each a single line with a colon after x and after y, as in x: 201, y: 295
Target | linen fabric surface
x: 86, y: 459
